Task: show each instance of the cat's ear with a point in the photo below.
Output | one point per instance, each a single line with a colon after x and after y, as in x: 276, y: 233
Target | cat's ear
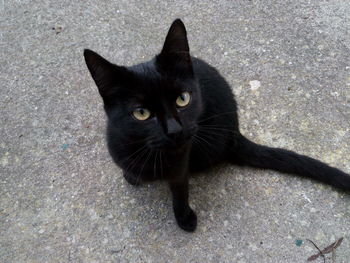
x: 176, y: 39
x: 105, y: 74
x: 175, y: 54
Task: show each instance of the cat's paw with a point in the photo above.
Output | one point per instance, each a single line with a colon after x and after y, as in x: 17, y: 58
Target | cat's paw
x: 131, y: 179
x: 187, y: 220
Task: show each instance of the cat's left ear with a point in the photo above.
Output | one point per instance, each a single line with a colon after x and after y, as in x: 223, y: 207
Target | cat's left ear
x: 100, y: 69
x: 175, y: 55
x: 106, y: 75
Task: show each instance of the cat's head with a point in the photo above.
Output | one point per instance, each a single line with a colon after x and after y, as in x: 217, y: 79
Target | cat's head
x: 158, y: 101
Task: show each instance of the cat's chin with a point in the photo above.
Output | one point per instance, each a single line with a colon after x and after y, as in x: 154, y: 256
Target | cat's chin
x: 179, y: 147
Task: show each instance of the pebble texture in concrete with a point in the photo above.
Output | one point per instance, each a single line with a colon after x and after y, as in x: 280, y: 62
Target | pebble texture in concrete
x: 63, y: 200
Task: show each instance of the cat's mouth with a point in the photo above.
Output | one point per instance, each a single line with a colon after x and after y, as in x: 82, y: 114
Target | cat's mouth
x: 167, y: 144
x: 173, y: 144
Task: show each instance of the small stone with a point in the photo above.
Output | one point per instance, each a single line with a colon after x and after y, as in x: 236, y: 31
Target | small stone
x: 304, y: 223
x: 110, y: 216
x: 254, y: 84
x: 4, y: 160
x: 229, y: 246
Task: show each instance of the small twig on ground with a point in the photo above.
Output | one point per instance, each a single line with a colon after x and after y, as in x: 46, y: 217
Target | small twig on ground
x: 330, y: 249
x: 316, y: 255
x: 333, y: 246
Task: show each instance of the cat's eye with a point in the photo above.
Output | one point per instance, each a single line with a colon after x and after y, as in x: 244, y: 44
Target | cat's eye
x: 184, y: 99
x: 141, y: 114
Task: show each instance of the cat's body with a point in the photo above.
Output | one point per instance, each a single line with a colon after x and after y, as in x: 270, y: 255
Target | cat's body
x: 175, y: 115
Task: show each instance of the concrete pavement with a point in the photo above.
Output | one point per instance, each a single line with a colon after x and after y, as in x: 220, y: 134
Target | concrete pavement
x: 62, y: 199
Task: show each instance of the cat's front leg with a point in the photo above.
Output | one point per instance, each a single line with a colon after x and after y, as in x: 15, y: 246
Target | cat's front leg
x: 185, y: 216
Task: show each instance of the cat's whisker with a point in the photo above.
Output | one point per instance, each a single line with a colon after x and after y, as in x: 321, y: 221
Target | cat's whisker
x: 206, y: 147
x: 129, y: 157
x: 217, y: 115
x: 155, y: 165
x: 143, y: 166
x: 161, y: 164
x: 211, y: 145
x: 217, y: 133
x: 201, y: 138
x: 133, y: 164
x: 212, y: 138
x: 204, y: 128
x: 229, y: 128
x: 202, y: 147
x: 215, y: 125
x: 137, y: 158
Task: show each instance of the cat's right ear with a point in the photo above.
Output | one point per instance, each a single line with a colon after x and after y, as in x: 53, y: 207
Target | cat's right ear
x: 175, y: 55
x: 104, y: 73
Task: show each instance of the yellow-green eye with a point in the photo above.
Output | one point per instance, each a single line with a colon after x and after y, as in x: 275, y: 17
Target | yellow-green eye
x: 141, y: 114
x: 183, y: 99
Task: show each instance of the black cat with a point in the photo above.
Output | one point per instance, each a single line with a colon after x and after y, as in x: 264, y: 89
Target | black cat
x: 175, y: 115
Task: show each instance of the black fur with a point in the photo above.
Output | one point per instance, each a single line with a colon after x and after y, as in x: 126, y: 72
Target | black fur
x: 176, y: 141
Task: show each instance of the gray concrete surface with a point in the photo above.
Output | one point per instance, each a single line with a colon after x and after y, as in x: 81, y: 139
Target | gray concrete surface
x: 62, y: 198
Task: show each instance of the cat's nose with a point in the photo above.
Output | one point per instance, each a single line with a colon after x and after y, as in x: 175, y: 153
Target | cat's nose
x: 174, y: 128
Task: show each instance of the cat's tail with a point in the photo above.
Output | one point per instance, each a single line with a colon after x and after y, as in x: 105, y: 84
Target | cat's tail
x: 246, y: 152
